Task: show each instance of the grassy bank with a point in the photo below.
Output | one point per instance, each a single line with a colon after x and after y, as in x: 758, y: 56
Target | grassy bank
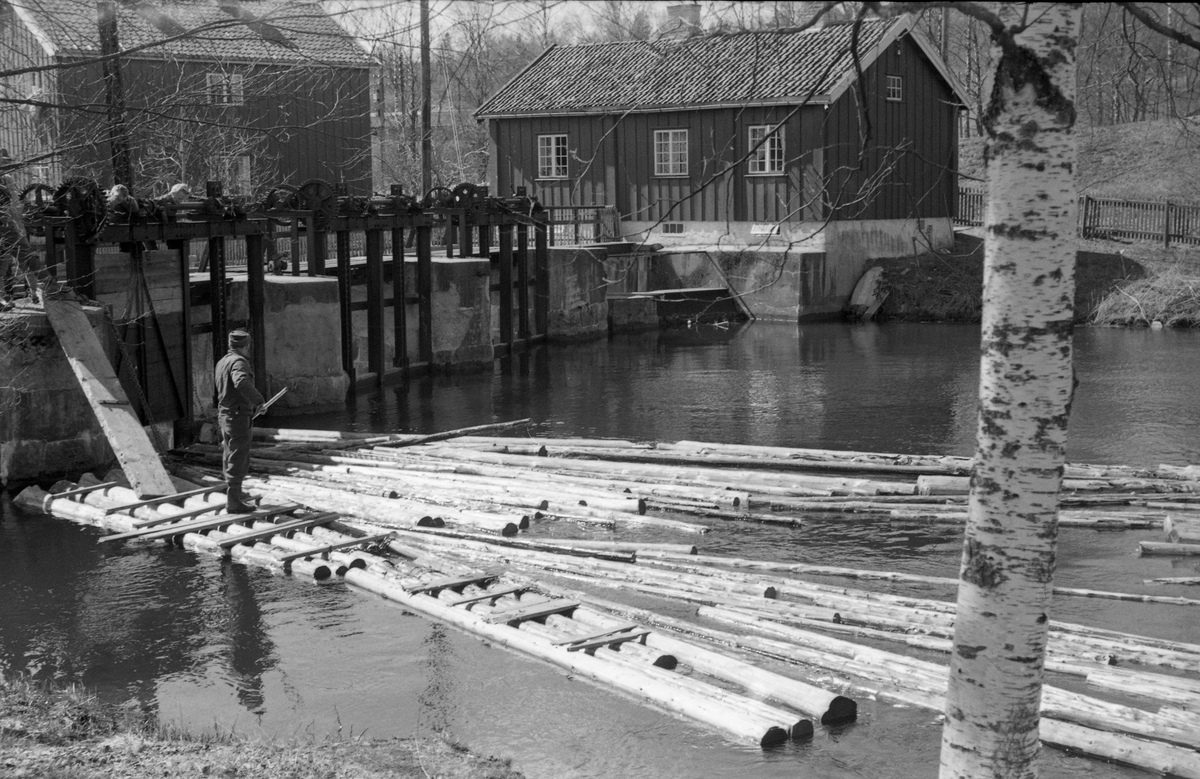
x: 65, y: 733
x: 948, y: 287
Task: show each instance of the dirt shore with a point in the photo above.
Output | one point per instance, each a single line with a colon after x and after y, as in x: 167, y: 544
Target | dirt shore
x: 64, y: 733
x: 948, y: 286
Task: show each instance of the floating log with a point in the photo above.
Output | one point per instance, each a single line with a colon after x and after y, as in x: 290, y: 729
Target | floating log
x: 476, y: 430
x: 1174, y: 580
x: 729, y: 720
x: 1167, y: 548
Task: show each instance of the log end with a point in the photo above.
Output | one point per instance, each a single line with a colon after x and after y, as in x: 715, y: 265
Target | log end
x: 841, y: 709
x: 667, y: 662
x: 543, y: 505
x: 510, y: 529
x: 802, y: 730
x: 524, y: 523
x: 641, y: 505
x: 693, y: 550
x: 774, y: 737
x: 771, y: 593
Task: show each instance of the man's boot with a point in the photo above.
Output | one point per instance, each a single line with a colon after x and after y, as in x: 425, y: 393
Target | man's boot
x: 236, y: 501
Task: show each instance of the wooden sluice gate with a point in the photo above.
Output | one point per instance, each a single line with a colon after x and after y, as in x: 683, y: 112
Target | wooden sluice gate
x: 472, y: 529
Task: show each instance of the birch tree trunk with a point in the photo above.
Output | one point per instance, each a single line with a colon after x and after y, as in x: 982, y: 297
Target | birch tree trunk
x: 1025, y: 388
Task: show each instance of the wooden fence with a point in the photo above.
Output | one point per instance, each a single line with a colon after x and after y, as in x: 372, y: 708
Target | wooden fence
x: 1140, y: 220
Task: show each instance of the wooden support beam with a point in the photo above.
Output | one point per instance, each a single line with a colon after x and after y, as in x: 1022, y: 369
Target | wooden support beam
x: 104, y: 393
x: 425, y: 294
x: 148, y: 533
x: 505, y: 298
x: 320, y: 550
x: 493, y: 595
x: 342, y: 240
x: 177, y: 516
x: 282, y: 527
x: 165, y: 499
x: 216, y: 283
x: 541, y: 277
x: 375, y: 351
x: 523, y: 281
x: 84, y: 490
x: 598, y: 634
x: 256, y: 296
x: 533, y: 611
x: 453, y: 582
x: 616, y: 638
x: 183, y: 427
x: 315, y: 246
x: 399, y: 307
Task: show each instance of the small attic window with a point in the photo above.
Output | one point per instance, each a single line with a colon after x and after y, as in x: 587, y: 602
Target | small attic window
x: 268, y: 32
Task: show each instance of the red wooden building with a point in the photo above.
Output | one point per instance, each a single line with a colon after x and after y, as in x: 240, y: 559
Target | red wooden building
x: 737, y: 134
x: 253, y: 93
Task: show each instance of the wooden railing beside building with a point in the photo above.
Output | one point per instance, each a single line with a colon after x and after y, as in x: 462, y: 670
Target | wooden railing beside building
x: 1140, y: 220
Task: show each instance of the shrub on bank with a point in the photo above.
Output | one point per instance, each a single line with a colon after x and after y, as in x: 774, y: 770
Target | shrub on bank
x: 1170, y: 297
x: 948, y: 287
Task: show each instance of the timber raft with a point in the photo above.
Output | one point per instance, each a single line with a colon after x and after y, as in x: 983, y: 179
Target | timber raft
x: 448, y: 525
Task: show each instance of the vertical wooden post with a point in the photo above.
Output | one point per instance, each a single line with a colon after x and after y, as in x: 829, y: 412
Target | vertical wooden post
x: 399, y: 301
x: 345, y: 314
x: 466, y: 235
x: 1167, y: 225
x: 315, y: 241
x: 216, y: 283
x: 374, y: 249
x: 425, y: 294
x: 485, y: 238
x: 294, y: 245
x: 256, y: 296
x: 541, y: 270
x: 110, y: 49
x: 1085, y: 213
x: 80, y: 259
x: 183, y: 427
x: 523, y: 282
x: 505, y: 298
x: 52, y: 244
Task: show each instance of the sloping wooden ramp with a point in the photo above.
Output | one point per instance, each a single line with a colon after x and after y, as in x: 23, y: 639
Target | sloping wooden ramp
x: 125, y: 433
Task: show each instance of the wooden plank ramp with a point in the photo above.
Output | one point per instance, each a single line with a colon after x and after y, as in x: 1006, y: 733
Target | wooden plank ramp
x: 103, y: 390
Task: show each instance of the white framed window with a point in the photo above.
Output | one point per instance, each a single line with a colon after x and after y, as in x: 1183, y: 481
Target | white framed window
x: 670, y: 152
x: 552, y: 156
x: 225, y: 88
x: 235, y: 174
x: 767, y: 158
x: 895, y: 88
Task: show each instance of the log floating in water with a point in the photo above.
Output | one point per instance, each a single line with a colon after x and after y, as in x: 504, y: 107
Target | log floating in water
x: 1182, y: 530
x: 729, y: 720
x: 1168, y: 548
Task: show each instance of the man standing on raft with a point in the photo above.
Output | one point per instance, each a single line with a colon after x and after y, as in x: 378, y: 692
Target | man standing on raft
x: 237, y: 400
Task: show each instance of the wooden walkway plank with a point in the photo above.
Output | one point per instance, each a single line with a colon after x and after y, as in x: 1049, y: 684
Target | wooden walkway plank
x: 100, y: 384
x: 166, y: 499
x: 84, y: 490
x: 282, y: 527
x: 320, y: 550
x: 149, y: 533
x: 615, y: 638
x: 452, y: 583
x: 533, y: 611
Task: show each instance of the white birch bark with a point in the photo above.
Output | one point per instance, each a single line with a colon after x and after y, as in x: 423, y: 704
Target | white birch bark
x: 1004, y: 592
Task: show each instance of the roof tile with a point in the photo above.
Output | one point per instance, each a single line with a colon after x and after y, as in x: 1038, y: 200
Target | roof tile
x: 706, y: 70
x: 213, y: 33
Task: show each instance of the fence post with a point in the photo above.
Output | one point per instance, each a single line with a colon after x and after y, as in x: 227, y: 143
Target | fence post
x: 1167, y: 225
x: 1084, y: 216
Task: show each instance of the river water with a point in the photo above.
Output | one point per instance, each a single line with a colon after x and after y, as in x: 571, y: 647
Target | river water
x: 216, y: 646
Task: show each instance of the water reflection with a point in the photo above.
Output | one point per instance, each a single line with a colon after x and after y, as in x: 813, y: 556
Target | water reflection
x: 206, y: 642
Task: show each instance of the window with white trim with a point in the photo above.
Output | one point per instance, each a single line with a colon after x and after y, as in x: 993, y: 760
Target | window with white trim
x: 225, y: 88
x: 670, y: 152
x: 766, y: 149
x: 895, y: 88
x: 552, y: 156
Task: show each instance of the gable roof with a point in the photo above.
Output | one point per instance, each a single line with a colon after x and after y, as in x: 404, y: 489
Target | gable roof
x: 269, y: 31
x: 738, y: 69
